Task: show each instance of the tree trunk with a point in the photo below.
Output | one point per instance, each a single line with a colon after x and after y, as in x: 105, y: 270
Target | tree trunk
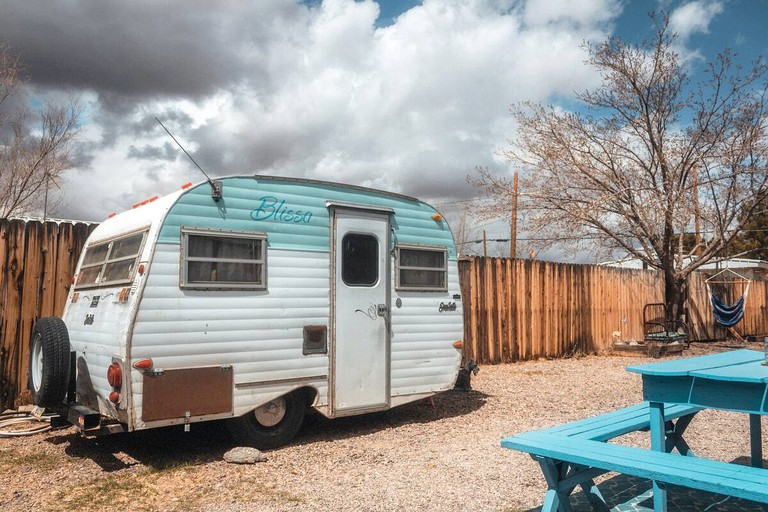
x: 673, y: 297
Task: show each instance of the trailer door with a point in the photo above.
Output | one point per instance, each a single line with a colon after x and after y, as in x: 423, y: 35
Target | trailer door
x: 360, y: 356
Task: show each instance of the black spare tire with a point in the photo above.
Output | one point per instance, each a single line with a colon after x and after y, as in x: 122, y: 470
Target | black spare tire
x: 49, y: 361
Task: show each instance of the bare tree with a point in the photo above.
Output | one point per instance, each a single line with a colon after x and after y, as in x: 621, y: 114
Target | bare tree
x: 35, y: 147
x: 462, y: 230
x: 650, y: 156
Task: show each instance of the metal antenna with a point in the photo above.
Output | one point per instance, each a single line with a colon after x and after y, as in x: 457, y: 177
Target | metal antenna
x: 215, y: 185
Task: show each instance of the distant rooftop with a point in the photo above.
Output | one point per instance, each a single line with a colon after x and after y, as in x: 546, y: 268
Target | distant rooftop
x: 712, y: 265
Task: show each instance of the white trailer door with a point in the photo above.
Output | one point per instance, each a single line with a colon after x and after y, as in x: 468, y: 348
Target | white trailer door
x: 360, y: 359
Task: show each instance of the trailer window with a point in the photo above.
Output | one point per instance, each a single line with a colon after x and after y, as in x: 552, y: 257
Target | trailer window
x: 112, y: 262
x: 223, y: 260
x: 421, y: 268
x: 359, y: 260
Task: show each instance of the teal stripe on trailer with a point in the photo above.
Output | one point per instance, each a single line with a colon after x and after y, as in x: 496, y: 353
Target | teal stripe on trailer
x: 294, y: 214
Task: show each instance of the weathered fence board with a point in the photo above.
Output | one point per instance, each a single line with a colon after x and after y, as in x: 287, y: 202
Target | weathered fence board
x: 523, y: 309
x: 37, y: 262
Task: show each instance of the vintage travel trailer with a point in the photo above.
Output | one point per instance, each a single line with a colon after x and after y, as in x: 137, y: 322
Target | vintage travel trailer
x: 254, y: 298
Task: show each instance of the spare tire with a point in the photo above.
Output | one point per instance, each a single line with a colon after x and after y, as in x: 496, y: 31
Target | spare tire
x: 49, y: 361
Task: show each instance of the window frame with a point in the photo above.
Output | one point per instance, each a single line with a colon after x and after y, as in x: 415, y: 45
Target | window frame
x: 107, y: 260
x: 426, y: 248
x: 184, y: 259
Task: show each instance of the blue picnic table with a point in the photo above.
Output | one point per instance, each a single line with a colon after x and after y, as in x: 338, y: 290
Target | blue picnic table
x: 573, y: 454
x: 732, y: 381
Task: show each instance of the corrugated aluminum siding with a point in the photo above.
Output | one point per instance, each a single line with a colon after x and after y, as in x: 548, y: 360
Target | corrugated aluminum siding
x: 261, y: 332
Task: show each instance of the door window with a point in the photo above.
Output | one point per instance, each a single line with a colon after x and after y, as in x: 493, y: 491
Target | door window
x: 359, y: 259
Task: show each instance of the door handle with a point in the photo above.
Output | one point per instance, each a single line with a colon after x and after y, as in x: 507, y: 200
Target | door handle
x: 382, y: 309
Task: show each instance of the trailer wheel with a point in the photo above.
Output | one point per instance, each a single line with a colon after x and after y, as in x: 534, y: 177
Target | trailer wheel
x: 275, y: 423
x: 49, y: 361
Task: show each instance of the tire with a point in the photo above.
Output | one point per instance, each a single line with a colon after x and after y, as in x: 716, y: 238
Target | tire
x: 273, y: 424
x: 49, y: 362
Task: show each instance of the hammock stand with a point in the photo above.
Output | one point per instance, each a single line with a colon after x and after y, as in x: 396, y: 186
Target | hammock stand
x: 728, y: 315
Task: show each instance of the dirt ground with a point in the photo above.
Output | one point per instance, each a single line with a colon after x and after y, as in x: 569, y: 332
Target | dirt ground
x: 416, y: 457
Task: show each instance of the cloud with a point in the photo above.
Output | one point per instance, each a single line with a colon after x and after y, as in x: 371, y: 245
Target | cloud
x: 694, y: 17
x: 585, y: 13
x: 312, y: 90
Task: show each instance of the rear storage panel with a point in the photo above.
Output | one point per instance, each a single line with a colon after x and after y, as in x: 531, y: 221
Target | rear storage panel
x: 179, y: 393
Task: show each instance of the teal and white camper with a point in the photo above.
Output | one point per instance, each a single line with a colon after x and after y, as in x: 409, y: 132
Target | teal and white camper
x: 254, y: 298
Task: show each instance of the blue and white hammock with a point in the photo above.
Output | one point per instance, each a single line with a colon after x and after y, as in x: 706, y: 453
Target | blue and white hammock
x: 728, y: 315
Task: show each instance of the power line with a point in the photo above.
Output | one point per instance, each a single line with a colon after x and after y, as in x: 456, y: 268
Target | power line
x: 460, y: 201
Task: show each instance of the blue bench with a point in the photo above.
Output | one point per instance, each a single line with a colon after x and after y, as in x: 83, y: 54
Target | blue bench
x: 607, y: 426
x: 569, y: 462
x: 563, y: 474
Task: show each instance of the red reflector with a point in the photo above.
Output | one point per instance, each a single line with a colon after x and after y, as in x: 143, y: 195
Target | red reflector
x: 141, y: 269
x: 143, y: 364
x: 458, y: 344
x: 115, y: 376
x: 114, y: 397
x: 437, y: 217
x: 186, y: 186
x: 111, y: 215
x: 153, y: 198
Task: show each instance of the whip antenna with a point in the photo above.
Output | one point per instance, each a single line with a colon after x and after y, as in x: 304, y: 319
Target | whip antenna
x: 215, y: 185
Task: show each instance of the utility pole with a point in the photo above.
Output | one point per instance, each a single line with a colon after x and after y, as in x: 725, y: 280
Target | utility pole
x: 513, y: 223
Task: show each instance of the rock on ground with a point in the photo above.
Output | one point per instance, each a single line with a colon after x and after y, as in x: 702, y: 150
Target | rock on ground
x: 244, y: 455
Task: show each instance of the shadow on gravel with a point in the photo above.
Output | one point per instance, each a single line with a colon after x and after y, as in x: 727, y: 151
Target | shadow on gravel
x: 630, y: 494
x: 169, y: 447
x: 446, y: 405
x: 159, y: 448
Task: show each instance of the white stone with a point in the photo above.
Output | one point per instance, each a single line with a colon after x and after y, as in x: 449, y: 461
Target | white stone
x: 244, y: 455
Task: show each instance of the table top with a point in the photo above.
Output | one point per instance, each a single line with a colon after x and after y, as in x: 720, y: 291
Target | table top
x: 734, y: 381
x: 735, y: 366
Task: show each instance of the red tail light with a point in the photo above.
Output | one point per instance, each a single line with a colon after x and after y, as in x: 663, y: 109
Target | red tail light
x: 114, y: 397
x: 143, y: 364
x: 115, y: 375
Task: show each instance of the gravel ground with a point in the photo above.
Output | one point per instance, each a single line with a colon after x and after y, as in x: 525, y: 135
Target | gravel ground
x: 416, y: 457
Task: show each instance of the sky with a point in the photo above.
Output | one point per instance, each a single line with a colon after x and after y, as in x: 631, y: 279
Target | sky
x: 406, y: 96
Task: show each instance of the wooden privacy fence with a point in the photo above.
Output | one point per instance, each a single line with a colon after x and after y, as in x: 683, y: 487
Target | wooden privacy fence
x: 37, y: 261
x: 513, y: 309
x: 522, y: 309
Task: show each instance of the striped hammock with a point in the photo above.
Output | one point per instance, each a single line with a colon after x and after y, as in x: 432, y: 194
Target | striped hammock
x: 726, y: 315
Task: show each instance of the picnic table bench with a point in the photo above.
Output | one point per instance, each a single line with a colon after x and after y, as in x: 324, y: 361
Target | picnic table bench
x: 568, y: 464
x: 609, y: 425
x: 571, y: 455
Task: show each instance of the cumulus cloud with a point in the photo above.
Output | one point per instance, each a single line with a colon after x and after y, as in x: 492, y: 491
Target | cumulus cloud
x: 694, y: 17
x: 314, y: 89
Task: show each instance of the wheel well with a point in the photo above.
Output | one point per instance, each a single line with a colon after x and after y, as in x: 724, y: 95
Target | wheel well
x: 310, y: 395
